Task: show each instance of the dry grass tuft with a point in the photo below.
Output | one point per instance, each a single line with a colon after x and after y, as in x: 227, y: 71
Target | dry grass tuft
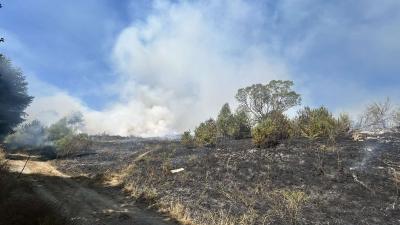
x: 287, y: 205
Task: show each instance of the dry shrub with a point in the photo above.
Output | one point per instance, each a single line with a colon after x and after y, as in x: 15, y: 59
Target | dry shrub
x: 73, y: 145
x: 179, y: 212
x: 2, y: 154
x: 395, y: 177
x: 187, y: 139
x: 3, y: 164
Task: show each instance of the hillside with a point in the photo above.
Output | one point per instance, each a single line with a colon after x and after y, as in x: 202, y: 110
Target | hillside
x: 297, y: 182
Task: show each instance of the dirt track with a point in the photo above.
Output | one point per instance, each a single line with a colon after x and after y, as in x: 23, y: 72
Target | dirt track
x: 88, y: 204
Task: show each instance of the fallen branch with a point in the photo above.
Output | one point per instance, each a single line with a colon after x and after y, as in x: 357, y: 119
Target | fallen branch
x: 26, y: 162
x: 362, y: 183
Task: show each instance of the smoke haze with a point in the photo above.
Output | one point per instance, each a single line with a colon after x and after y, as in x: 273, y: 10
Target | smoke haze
x: 175, y: 69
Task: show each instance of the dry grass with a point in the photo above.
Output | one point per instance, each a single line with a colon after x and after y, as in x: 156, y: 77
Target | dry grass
x: 287, y: 205
x: 148, y: 179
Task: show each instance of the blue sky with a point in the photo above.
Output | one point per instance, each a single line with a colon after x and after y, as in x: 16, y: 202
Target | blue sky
x: 136, y: 60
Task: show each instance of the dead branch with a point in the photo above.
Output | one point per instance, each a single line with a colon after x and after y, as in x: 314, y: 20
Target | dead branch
x: 362, y: 183
x: 26, y: 162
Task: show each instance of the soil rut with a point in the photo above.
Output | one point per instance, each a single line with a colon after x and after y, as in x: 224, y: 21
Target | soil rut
x: 87, y: 203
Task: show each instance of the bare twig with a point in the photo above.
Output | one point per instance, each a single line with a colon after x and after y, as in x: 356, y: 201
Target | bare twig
x: 362, y: 183
x: 26, y: 162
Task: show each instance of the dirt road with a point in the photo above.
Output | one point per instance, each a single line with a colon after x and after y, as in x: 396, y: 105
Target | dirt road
x: 88, y: 204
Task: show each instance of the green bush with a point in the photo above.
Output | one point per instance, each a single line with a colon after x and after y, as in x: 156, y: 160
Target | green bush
x: 271, y: 130
x: 206, y: 133
x: 187, y: 139
x: 315, y: 123
x: 320, y: 123
x: 73, y: 145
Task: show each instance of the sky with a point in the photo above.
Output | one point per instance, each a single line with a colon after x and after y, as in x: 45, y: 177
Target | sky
x: 153, y: 68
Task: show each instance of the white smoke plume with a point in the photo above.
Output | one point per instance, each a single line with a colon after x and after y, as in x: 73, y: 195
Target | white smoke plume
x: 176, y: 68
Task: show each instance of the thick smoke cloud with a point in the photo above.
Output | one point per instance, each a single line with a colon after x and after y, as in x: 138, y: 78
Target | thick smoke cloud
x: 177, y: 67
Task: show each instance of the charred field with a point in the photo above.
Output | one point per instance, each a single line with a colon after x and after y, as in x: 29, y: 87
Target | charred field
x: 296, y: 182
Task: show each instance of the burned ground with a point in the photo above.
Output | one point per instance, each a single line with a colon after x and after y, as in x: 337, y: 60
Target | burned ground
x: 297, y: 182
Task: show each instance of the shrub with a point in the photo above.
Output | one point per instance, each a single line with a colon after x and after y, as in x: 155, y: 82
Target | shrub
x: 73, y: 145
x: 261, y: 100
x: 343, y: 125
x: 315, y: 123
x: 2, y: 155
x: 187, y: 139
x: 206, y: 133
x: 271, y: 131
x: 3, y: 162
x: 396, y: 119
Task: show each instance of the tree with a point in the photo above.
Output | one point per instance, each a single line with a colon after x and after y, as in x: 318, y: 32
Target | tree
x: 59, y: 130
x: 241, y: 125
x: 1, y: 38
x: 260, y: 100
x: 225, y: 121
x: 13, y: 97
x: 66, y: 126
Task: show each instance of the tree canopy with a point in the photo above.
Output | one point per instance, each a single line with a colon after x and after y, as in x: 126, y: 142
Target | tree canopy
x: 225, y: 120
x: 260, y: 100
x: 13, y: 97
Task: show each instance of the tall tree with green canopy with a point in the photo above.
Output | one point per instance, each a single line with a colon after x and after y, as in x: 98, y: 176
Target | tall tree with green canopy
x: 13, y: 97
x: 225, y: 120
x: 261, y: 100
x: 241, y: 126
